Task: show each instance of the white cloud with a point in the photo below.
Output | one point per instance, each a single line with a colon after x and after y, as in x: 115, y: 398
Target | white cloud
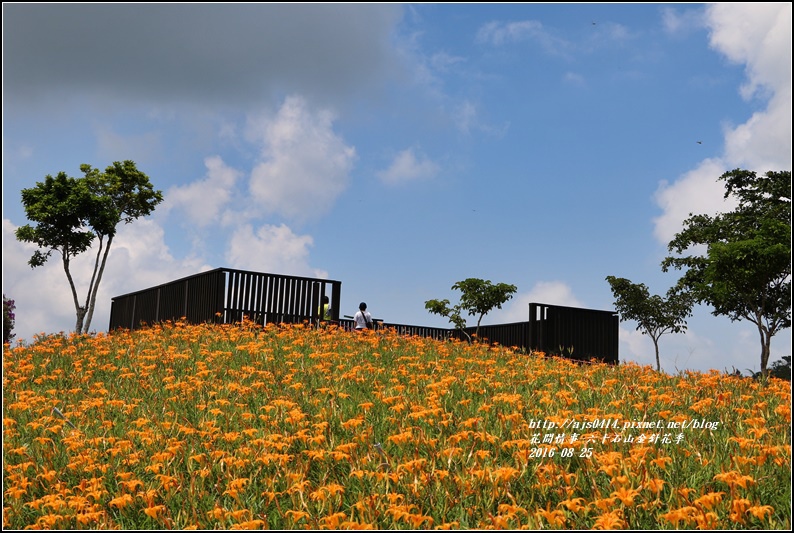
x: 443, y: 62
x: 305, y: 166
x: 141, y: 259
x: 697, y: 192
x: 738, y: 345
x: 553, y: 293
x: 499, y: 33
x: 615, y: 32
x: 113, y: 146
x: 467, y: 119
x: 25, y: 151
x: 572, y: 78
x: 272, y: 249
x: 29, y: 288
x: 465, y: 116
x: 407, y: 166
x: 234, y: 53
x: 544, y: 292
x: 676, y: 351
x: 138, y: 260
x: 758, y: 35
x: 636, y: 347
x: 763, y: 143
x: 676, y: 21
x: 202, y: 201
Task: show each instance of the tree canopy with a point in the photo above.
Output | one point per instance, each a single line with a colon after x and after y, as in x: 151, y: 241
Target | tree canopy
x: 72, y: 213
x: 478, y: 298
x: 745, y: 272
x: 654, y: 314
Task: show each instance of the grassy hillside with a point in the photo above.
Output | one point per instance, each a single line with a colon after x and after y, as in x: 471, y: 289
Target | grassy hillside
x: 296, y: 428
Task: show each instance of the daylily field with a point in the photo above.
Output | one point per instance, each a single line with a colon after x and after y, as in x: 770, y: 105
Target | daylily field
x: 238, y: 427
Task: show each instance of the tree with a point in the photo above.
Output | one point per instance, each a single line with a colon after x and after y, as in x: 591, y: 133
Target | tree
x: 71, y: 213
x: 781, y: 369
x: 478, y: 298
x: 654, y: 315
x: 745, y: 273
x: 8, y: 319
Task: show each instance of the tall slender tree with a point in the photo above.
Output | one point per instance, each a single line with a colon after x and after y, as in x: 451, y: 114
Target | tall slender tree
x: 654, y: 314
x: 745, y: 272
x: 72, y: 213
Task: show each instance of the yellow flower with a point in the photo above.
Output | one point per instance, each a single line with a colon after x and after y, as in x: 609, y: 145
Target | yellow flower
x: 620, y: 480
x: 734, y: 478
x: 656, y: 485
x: 662, y: 462
x: 239, y: 484
x: 48, y: 521
x: 154, y: 511
x: 504, y: 474
x: 755, y: 422
x: 217, y: 513
x: 702, y: 405
x: 333, y: 521
x: 417, y: 520
x: 707, y: 521
x: 760, y: 511
x: 611, y: 520
x: 609, y: 470
x: 121, y: 502
x: 250, y: 524
x: 353, y: 423
x: 757, y: 433
x: 555, y: 518
x: 625, y: 495
x: 296, y: 515
x: 168, y: 482
x: 604, y: 503
x: 685, y: 514
x: 710, y: 499
x: 401, y: 438
x: 16, y: 492
x: 575, y: 505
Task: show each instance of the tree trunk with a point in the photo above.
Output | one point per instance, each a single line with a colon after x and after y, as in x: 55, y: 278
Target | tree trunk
x: 95, y: 285
x: 765, y: 335
x: 78, y: 328
x: 766, y: 341
x: 78, y: 310
x: 656, y: 347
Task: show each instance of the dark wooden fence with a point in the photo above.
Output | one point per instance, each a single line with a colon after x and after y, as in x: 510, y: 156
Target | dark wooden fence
x: 225, y: 296
x: 574, y: 332
x: 405, y: 329
x: 571, y: 332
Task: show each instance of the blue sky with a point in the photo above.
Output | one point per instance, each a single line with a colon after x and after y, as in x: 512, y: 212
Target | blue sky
x: 400, y: 148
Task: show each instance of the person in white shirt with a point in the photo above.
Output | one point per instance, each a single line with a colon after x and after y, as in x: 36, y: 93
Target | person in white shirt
x: 363, y: 319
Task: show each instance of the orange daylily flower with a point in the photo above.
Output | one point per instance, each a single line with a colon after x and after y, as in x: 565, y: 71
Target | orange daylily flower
x: 761, y: 511
x: 121, y: 502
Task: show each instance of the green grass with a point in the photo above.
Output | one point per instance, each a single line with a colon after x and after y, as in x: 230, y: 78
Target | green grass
x: 218, y: 427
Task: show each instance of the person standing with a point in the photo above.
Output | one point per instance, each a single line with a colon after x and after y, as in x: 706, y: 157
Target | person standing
x: 325, y: 309
x: 363, y: 319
